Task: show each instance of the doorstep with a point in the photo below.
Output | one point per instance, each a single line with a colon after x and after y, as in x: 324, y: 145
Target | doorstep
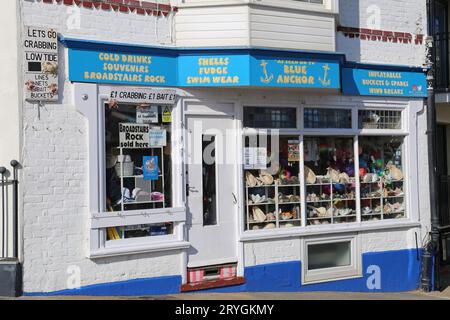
x: 212, y: 284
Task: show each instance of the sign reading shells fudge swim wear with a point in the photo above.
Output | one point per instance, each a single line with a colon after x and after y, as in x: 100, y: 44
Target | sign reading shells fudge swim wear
x: 40, y: 52
x: 384, y: 83
x: 213, y: 70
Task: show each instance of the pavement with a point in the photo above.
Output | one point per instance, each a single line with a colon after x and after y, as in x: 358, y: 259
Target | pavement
x: 413, y: 295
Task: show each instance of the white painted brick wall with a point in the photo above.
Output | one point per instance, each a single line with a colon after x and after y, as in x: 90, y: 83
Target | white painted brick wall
x: 396, y: 15
x: 98, y: 24
x: 55, y: 164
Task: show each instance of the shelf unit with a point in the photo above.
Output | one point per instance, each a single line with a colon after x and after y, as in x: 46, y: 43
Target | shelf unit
x: 276, y: 205
x: 380, y: 201
x: 140, y: 178
x: 330, y: 202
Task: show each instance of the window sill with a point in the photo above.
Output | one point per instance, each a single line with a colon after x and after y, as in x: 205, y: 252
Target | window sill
x: 137, y: 249
x: 318, y: 230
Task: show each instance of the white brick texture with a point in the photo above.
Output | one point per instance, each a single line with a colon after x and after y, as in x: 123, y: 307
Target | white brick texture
x: 395, y: 15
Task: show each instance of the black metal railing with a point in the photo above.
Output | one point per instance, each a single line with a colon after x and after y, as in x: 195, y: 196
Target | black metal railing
x: 441, y: 60
x: 9, y: 186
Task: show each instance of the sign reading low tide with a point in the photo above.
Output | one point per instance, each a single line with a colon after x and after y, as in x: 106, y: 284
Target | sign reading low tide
x: 40, y: 48
x: 123, y: 68
x: 384, y: 83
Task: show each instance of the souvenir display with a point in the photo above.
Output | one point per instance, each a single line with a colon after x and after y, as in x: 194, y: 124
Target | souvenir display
x: 382, y: 187
x: 273, y: 194
x: 138, y: 167
x: 329, y: 180
x: 330, y: 196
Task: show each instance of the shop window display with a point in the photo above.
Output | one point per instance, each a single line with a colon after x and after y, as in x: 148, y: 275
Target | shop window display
x: 382, y: 180
x: 330, y: 180
x: 138, y: 159
x: 272, y: 186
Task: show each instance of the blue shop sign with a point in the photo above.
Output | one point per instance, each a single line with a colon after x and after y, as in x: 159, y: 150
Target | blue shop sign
x: 122, y: 68
x: 213, y: 70
x: 294, y: 72
x: 367, y: 82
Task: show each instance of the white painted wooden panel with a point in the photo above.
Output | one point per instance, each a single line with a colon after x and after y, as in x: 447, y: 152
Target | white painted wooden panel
x: 212, y: 26
x: 270, y: 27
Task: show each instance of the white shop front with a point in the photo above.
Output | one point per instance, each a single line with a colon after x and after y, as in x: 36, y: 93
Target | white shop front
x: 252, y: 166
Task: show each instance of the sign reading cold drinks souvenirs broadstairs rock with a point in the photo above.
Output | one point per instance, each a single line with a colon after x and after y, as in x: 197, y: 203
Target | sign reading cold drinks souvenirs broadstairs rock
x: 40, y: 52
x: 367, y: 82
x: 121, y: 68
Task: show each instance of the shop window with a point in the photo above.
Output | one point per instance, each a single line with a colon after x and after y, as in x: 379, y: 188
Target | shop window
x: 138, y: 157
x: 209, y: 180
x: 270, y: 118
x: 382, y: 179
x: 271, y: 180
x: 380, y: 119
x: 330, y: 180
x: 139, y: 231
x: 319, y: 118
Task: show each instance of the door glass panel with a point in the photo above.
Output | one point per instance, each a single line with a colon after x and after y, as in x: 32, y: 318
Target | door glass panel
x: 329, y: 255
x: 209, y: 180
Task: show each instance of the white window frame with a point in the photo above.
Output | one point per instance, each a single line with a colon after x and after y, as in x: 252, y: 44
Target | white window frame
x: 354, y: 270
x: 407, y: 131
x: 90, y: 100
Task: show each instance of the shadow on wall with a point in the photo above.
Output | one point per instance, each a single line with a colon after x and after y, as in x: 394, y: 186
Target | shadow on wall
x: 349, y: 16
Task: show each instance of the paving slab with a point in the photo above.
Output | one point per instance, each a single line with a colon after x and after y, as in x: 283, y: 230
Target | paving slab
x: 414, y: 295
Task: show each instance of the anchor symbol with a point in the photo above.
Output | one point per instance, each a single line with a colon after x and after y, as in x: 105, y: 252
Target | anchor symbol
x: 325, y: 82
x: 266, y: 78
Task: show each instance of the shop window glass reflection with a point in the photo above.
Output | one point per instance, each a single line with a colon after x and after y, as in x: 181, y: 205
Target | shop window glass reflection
x: 271, y: 180
x: 330, y: 180
x: 382, y: 179
x: 138, y: 157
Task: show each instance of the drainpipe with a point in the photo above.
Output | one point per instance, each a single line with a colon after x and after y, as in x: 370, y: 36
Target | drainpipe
x: 430, y: 257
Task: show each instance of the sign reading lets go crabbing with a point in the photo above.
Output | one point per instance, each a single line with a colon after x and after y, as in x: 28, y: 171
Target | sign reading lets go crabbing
x: 40, y: 47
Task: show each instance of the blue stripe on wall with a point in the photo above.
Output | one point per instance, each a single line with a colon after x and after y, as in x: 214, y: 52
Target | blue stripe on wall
x: 400, y: 271
x: 136, y: 287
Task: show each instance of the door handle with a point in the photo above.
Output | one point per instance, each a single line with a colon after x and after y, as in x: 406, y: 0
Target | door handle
x: 190, y: 189
x: 234, y: 198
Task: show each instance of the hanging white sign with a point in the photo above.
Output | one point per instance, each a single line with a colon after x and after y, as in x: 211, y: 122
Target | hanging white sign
x: 40, y: 51
x: 142, y: 95
x: 147, y: 114
x: 133, y: 136
x: 255, y: 158
x: 158, y: 138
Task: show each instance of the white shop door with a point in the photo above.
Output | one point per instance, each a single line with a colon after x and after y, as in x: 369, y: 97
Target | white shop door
x: 211, y: 190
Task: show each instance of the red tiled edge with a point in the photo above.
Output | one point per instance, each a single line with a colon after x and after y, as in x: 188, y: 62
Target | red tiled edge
x: 212, y: 284
x: 381, y: 35
x: 123, y: 6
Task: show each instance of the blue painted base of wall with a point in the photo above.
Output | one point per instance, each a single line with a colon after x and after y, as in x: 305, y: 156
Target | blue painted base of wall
x: 399, y: 271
